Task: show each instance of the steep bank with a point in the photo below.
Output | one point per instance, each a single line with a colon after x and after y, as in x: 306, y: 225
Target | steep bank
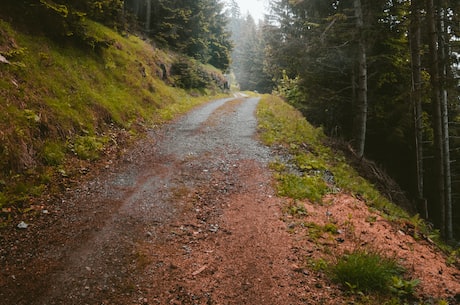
x: 64, y: 105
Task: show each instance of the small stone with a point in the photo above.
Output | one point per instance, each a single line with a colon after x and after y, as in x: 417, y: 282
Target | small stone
x: 214, y: 228
x: 4, y: 60
x: 22, y: 225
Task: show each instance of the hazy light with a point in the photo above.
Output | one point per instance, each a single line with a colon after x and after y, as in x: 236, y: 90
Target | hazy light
x: 256, y: 8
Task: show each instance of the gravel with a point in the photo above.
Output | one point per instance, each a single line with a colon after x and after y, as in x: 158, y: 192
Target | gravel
x: 233, y: 135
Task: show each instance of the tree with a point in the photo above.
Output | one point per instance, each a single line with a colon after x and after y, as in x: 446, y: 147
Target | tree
x: 360, y: 122
x: 416, y: 97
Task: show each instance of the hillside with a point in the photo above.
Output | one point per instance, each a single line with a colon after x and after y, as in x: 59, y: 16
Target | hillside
x: 65, y: 105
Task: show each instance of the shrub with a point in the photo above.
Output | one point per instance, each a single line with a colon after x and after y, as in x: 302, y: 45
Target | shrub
x: 187, y: 75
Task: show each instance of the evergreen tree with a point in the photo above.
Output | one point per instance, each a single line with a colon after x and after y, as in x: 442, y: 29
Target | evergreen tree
x: 196, y: 28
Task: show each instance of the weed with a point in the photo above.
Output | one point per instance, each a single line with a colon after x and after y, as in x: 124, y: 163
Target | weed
x: 308, y: 162
x: 315, y: 231
x: 278, y: 166
x: 319, y: 264
x: 296, y: 209
x: 403, y: 288
x: 331, y: 228
x: 454, y: 258
x: 366, y: 271
x: 371, y: 219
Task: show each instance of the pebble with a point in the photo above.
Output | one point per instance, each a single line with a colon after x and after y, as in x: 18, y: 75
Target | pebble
x: 22, y: 225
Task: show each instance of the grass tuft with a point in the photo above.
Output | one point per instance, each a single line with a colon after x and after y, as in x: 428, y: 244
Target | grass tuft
x: 363, y: 271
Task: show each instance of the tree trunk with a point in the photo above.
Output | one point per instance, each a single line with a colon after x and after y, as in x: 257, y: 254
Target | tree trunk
x: 437, y: 120
x: 444, y: 62
x: 416, y: 97
x: 360, y: 102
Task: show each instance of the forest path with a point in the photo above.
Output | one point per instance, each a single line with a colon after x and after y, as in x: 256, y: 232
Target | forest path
x: 188, y: 217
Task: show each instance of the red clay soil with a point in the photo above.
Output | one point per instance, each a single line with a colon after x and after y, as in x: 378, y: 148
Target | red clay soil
x: 204, y: 228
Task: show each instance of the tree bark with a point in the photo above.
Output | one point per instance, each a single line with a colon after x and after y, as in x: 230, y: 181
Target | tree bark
x: 437, y: 120
x: 444, y: 62
x: 360, y: 122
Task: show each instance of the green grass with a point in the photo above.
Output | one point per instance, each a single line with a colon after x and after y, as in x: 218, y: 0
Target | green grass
x: 301, y: 187
x: 366, y: 271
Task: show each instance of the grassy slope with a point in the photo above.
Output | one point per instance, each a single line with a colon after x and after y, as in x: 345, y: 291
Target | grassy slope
x: 308, y: 169
x: 60, y: 103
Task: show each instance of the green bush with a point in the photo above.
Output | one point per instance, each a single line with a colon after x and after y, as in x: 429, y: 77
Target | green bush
x: 187, y: 75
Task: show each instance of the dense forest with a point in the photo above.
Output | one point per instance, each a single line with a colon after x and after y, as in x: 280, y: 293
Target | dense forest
x: 382, y: 76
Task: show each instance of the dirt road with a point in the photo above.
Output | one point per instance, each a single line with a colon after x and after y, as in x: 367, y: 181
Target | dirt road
x: 187, y: 217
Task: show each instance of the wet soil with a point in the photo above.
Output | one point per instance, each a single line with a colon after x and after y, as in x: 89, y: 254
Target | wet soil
x: 189, y: 216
